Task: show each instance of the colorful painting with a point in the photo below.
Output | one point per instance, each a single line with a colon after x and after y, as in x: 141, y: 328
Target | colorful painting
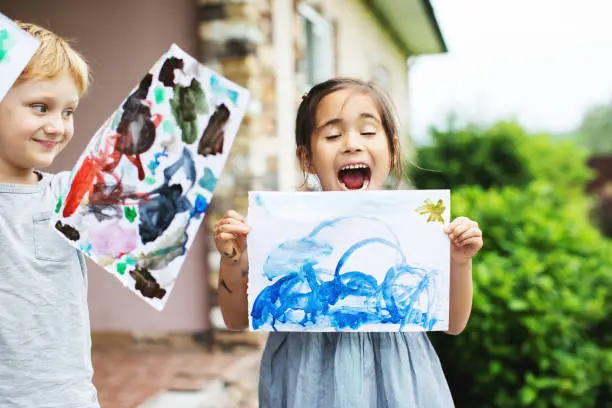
x: 140, y: 190
x: 349, y: 261
x: 16, y: 49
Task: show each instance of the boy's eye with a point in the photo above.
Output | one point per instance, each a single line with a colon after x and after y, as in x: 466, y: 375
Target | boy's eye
x: 332, y: 137
x: 68, y: 113
x: 368, y: 133
x: 40, y: 107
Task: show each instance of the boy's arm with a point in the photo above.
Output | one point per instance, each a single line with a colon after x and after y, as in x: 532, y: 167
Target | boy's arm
x: 233, y: 292
x: 461, y: 293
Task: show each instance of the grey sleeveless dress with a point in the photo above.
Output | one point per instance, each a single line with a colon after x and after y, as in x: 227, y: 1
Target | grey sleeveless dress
x: 351, y: 370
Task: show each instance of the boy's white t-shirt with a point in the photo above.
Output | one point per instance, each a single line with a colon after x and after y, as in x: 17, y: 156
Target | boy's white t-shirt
x: 45, y: 341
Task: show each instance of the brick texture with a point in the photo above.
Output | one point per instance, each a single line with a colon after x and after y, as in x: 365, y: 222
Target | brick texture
x: 128, y: 372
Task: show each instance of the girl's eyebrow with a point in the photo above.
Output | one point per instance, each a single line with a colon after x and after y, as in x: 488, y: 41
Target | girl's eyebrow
x: 369, y: 116
x: 336, y: 121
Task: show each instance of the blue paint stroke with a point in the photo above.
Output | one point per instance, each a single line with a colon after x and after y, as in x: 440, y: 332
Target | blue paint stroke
x: 154, y: 164
x: 86, y: 248
x: 200, y: 206
x: 258, y: 201
x: 167, y: 201
x: 208, y: 180
x: 218, y: 88
x: 158, y: 209
x: 299, y: 296
x: 161, y: 257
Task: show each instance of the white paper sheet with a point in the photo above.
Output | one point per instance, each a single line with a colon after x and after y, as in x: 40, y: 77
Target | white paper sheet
x: 16, y: 49
x: 140, y: 190
x: 349, y: 261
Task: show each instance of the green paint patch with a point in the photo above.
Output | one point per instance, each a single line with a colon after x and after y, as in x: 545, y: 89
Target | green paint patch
x: 130, y: 260
x: 130, y: 213
x: 6, y: 43
x: 121, y: 267
x: 208, y: 180
x: 150, y: 180
x: 58, y: 206
x: 187, y: 103
x: 169, y: 127
x: 160, y: 94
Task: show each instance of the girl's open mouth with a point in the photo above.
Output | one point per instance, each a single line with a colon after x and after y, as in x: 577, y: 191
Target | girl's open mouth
x: 355, y: 176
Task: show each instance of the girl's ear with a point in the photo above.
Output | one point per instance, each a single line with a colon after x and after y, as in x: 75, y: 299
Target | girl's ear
x: 304, y: 160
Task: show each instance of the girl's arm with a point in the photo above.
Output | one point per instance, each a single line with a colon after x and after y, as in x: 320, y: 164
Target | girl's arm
x: 233, y: 292
x: 460, y: 295
x: 466, y: 240
x: 230, y: 234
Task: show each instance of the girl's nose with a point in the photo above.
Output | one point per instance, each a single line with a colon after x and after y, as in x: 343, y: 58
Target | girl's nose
x: 352, y: 142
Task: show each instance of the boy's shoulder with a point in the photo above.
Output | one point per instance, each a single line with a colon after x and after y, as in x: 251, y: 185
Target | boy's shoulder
x: 56, y: 183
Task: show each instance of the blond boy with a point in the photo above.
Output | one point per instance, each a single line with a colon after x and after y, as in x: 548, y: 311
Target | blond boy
x: 45, y: 343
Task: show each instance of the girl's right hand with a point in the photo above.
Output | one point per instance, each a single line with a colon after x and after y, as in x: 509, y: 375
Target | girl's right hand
x: 230, y: 234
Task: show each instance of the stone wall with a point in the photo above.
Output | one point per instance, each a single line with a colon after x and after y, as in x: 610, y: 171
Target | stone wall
x: 235, y: 38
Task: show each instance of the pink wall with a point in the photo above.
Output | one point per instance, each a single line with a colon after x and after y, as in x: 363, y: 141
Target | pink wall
x: 121, y: 39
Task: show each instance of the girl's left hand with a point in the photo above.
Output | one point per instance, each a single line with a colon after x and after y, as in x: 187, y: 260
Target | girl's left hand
x: 466, y: 238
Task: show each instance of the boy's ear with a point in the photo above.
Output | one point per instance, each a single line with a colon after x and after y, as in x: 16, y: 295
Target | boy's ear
x: 303, y: 159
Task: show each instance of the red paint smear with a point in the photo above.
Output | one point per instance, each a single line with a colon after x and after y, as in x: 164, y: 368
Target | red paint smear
x: 94, y: 167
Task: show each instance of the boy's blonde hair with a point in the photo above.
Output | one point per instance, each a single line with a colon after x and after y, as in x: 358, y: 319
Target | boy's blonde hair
x: 53, y: 58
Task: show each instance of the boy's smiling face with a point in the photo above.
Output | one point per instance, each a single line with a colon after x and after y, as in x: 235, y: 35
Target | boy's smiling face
x: 36, y: 123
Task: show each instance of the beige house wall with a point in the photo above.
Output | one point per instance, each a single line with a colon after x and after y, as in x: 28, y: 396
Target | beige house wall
x: 364, y: 50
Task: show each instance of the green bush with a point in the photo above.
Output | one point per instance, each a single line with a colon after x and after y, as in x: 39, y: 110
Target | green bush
x: 539, y: 333
x: 536, y: 336
x: 499, y: 156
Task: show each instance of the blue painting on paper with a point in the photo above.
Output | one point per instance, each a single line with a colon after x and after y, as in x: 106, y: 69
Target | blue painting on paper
x: 309, y: 285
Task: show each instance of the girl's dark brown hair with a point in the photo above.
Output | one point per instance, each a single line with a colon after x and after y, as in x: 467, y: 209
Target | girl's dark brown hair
x: 305, y: 123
